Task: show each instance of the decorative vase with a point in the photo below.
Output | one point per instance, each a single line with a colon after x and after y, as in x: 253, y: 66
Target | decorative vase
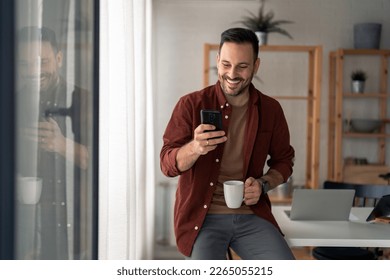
x: 367, y: 35
x: 357, y: 86
x: 262, y: 37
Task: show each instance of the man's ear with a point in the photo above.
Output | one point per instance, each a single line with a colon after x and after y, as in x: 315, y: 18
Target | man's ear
x: 59, y: 58
x: 257, y: 65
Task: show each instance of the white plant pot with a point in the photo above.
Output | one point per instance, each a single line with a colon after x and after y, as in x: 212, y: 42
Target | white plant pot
x: 358, y: 86
x: 262, y: 36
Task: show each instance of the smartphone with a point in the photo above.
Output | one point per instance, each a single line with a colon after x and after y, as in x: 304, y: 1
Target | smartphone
x: 211, y: 117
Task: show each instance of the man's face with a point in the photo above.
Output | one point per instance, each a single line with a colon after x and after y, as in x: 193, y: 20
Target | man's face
x: 236, y: 67
x: 39, y: 64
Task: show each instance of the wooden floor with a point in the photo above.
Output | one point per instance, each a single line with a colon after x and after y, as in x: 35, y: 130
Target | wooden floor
x: 303, y: 253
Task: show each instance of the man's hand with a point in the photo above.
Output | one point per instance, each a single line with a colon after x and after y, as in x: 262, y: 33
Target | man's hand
x: 206, y: 140
x: 252, y: 191
x: 50, y: 137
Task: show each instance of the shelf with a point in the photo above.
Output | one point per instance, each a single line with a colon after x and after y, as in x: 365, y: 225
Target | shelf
x: 364, y: 52
x: 365, y: 135
x: 368, y: 174
x: 366, y: 95
x: 294, y: 97
x: 338, y: 138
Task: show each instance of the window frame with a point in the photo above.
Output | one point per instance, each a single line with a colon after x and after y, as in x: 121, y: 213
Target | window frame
x: 8, y: 123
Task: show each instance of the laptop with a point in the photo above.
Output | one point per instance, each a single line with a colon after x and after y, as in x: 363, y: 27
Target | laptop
x: 321, y: 204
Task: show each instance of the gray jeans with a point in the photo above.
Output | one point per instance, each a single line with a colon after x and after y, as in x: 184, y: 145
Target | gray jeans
x: 250, y: 236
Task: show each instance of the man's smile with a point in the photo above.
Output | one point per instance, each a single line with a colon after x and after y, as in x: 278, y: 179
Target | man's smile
x: 233, y: 83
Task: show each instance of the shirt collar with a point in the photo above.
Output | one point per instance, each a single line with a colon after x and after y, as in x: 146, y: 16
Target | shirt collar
x: 254, y: 97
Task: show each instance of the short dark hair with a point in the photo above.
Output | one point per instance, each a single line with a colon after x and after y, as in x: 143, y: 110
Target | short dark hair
x: 34, y: 33
x: 239, y: 36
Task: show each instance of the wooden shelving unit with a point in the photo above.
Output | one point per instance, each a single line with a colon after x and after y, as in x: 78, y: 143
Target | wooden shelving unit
x: 313, y: 99
x: 337, y: 169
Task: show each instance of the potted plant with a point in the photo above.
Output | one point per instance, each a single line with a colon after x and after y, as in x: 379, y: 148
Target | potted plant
x: 264, y: 23
x: 358, y: 81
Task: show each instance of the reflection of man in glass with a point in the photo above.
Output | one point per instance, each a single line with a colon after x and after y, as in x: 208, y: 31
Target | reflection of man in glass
x: 61, y: 156
x: 50, y: 60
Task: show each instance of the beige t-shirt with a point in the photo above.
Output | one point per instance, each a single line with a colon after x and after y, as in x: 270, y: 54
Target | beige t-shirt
x: 232, y: 163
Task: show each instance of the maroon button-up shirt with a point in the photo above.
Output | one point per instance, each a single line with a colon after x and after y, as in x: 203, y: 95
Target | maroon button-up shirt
x: 266, y: 134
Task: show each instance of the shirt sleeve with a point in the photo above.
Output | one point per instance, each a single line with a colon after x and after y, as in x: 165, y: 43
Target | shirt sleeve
x: 281, y: 152
x: 178, y: 132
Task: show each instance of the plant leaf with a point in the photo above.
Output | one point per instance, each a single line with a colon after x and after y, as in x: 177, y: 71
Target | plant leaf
x: 264, y: 21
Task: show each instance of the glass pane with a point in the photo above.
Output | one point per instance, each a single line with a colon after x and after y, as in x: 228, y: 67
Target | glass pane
x: 54, y: 205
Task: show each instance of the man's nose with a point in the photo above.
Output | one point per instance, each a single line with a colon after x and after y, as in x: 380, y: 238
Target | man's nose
x: 232, y: 73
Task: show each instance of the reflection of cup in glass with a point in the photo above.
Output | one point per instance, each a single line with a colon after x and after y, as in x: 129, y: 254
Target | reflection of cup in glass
x: 29, y: 189
x: 234, y: 193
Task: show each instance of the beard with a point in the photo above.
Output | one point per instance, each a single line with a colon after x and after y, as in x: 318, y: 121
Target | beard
x: 236, y: 86
x: 48, y: 81
x: 45, y: 82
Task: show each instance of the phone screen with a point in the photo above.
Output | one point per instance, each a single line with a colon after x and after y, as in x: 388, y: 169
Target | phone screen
x: 211, y: 117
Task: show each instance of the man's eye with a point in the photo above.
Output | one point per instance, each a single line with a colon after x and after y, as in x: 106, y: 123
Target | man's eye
x: 44, y: 61
x: 226, y: 65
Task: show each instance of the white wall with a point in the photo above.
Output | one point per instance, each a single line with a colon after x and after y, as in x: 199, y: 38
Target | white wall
x: 183, y: 26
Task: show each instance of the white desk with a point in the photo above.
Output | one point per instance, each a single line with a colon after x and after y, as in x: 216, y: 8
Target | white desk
x: 355, y: 233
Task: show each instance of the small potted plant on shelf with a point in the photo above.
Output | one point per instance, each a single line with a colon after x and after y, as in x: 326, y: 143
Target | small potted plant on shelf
x: 358, y: 81
x: 264, y: 23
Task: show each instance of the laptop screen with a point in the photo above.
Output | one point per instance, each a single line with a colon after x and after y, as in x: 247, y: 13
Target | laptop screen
x: 321, y: 204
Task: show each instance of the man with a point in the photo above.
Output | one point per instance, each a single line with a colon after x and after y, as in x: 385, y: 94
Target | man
x: 254, y: 128
x: 44, y: 133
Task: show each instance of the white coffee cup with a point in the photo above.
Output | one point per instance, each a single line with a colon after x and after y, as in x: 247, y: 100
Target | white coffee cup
x: 234, y: 193
x: 29, y: 189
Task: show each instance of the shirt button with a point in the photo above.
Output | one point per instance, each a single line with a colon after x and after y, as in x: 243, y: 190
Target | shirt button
x: 205, y: 206
x: 196, y: 227
x: 211, y: 184
x: 217, y: 160
x: 227, y: 104
x: 226, y: 116
x: 221, y: 106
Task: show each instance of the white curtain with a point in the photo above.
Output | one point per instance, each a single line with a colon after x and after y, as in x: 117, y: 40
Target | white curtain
x: 126, y: 160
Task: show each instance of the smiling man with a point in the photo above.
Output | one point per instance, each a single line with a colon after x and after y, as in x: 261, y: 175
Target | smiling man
x: 45, y: 131
x: 237, y: 64
x: 40, y: 59
x: 254, y: 133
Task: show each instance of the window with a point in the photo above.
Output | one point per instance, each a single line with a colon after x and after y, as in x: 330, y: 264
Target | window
x: 56, y: 101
